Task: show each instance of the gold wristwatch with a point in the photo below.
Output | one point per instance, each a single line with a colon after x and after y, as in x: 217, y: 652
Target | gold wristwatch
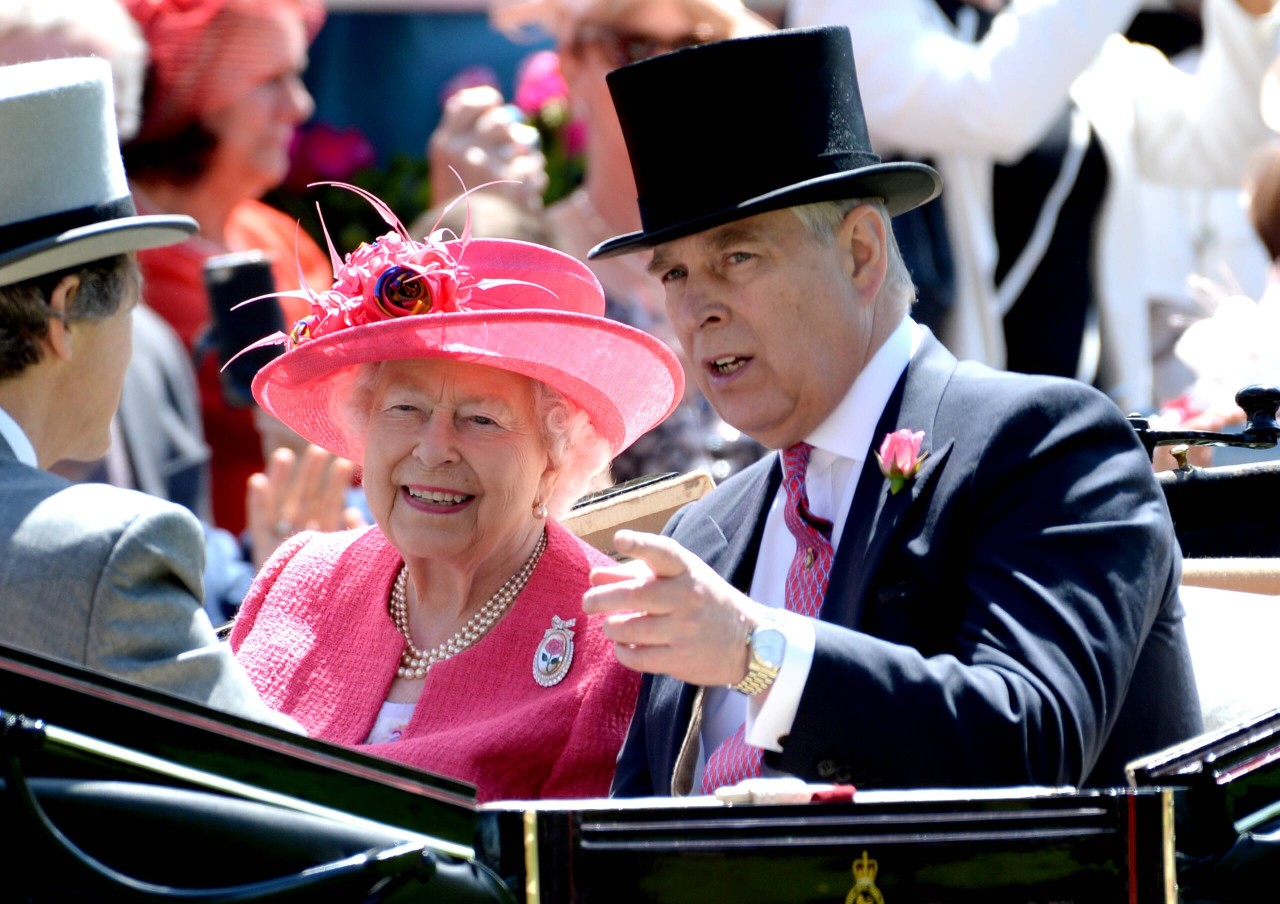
x: 767, y: 643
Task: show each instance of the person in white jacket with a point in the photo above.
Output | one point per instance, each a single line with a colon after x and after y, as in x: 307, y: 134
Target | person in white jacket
x: 985, y: 88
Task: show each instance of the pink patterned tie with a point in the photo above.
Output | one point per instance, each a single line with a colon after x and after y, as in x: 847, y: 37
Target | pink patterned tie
x: 735, y: 759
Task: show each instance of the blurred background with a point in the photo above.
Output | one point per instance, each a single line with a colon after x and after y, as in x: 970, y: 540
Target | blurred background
x: 418, y: 52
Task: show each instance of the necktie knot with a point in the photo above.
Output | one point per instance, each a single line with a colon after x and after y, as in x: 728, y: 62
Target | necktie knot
x: 795, y: 462
x: 800, y: 520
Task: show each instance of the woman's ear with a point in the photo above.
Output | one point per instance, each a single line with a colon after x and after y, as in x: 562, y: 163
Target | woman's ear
x: 59, y: 336
x: 547, y: 483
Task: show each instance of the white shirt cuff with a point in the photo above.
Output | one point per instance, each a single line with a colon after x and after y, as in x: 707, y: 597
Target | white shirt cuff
x: 769, y: 722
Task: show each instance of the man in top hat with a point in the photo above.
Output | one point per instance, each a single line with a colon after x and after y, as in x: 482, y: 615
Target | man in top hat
x: 94, y: 575
x: 948, y: 575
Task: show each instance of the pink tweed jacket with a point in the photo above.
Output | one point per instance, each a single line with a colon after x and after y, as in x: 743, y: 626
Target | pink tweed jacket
x: 317, y: 640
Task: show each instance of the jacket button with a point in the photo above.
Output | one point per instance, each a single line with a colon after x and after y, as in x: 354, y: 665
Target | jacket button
x: 826, y: 769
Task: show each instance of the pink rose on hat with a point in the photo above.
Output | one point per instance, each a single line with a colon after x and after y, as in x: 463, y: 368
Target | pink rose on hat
x: 900, y: 457
x: 391, y: 277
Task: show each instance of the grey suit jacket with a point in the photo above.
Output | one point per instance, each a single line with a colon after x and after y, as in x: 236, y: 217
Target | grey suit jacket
x: 110, y: 579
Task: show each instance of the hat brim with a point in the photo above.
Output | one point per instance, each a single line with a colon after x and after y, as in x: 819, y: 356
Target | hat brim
x: 626, y: 380
x: 902, y: 186
x: 83, y: 244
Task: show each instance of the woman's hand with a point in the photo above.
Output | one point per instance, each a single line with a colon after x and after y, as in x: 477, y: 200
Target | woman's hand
x: 482, y: 139
x: 298, y: 493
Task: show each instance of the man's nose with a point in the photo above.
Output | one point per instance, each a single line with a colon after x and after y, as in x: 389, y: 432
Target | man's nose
x: 697, y: 306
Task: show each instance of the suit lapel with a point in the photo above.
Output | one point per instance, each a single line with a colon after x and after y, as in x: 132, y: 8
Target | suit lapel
x: 728, y: 540
x: 876, y: 513
x: 731, y: 542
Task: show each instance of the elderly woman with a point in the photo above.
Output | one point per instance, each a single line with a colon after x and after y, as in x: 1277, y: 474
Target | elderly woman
x: 482, y: 391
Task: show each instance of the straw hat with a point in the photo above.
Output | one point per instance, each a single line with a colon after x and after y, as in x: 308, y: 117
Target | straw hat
x: 64, y: 200
x: 516, y: 306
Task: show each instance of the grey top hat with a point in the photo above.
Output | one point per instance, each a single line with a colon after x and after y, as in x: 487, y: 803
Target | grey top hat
x: 730, y: 129
x: 64, y: 200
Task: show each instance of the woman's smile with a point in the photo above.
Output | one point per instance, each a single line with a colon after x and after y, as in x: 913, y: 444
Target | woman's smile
x: 437, y: 501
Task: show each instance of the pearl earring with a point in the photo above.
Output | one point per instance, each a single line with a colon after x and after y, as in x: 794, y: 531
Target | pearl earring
x: 540, y: 510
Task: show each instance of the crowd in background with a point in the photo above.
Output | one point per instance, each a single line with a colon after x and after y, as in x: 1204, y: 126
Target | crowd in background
x: 1111, y: 214
x: 544, y: 131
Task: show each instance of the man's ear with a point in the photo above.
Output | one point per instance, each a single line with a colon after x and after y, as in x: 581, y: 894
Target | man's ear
x: 59, y: 337
x: 862, y: 235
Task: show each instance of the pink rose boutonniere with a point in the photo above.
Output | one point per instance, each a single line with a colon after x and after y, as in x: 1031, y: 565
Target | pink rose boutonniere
x: 900, y: 457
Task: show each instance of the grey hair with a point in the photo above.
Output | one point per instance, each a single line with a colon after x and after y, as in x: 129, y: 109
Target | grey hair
x: 822, y: 219
x: 577, y: 451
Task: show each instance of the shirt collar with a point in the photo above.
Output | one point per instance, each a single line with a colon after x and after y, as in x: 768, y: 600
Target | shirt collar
x: 847, y: 431
x: 13, y: 434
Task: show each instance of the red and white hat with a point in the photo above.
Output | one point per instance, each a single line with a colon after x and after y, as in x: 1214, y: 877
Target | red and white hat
x: 512, y: 305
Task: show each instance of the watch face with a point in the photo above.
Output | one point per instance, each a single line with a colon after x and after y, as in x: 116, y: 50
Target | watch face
x: 768, y: 645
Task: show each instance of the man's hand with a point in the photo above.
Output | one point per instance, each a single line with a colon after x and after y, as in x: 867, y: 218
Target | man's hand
x: 306, y: 492
x: 481, y: 139
x: 670, y: 614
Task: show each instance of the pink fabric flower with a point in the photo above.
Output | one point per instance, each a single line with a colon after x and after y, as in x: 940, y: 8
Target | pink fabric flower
x: 900, y: 457
x: 392, y: 277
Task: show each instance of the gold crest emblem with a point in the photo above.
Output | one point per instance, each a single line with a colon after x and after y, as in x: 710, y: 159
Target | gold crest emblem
x: 864, y: 889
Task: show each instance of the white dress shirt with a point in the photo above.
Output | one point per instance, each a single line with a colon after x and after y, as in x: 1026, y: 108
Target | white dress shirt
x: 13, y: 434
x: 840, y: 445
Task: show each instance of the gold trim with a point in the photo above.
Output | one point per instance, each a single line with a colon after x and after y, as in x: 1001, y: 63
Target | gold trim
x: 532, y: 894
x: 687, y: 758
x: 1167, y: 847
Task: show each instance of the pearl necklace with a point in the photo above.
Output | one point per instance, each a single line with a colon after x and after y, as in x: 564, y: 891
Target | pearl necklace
x: 414, y: 662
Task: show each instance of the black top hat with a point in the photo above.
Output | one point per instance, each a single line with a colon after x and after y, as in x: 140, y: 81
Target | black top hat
x: 730, y: 129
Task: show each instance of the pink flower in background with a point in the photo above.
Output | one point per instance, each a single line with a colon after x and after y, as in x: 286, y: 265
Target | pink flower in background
x: 539, y: 83
x: 1182, y: 408
x: 325, y: 153
x: 575, y: 137
x: 900, y: 457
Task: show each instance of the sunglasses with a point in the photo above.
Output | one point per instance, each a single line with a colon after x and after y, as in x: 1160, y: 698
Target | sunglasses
x: 621, y: 47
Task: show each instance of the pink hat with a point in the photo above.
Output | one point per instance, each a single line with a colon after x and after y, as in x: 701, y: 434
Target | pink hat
x: 507, y: 304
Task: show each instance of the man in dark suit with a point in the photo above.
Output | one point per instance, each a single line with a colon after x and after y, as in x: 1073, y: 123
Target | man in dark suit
x: 949, y: 576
